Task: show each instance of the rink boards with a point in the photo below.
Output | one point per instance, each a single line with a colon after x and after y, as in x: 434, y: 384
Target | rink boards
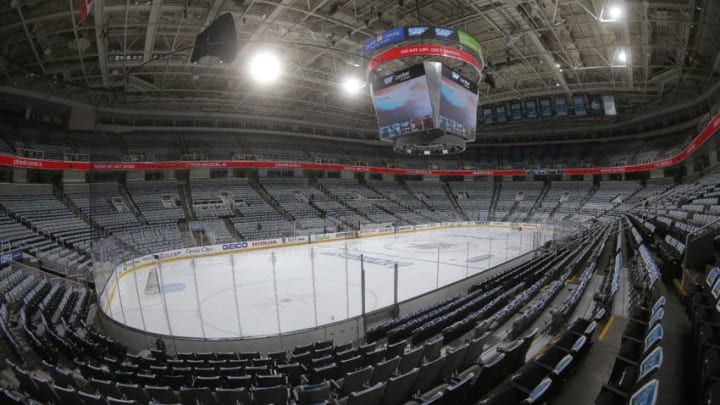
x: 132, y: 308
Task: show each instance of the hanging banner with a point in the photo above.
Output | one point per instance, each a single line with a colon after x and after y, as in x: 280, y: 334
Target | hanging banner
x: 500, y: 113
x: 596, y: 105
x: 516, y: 111
x: 531, y: 109
x: 487, y: 115
x: 579, y: 102
x: 545, y: 108
x: 609, y: 104
x: 561, y: 109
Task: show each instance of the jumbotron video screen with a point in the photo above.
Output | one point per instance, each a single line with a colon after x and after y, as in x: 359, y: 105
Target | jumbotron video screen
x: 403, y: 104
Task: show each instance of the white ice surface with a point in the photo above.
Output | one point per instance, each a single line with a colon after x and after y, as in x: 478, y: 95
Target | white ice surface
x: 243, y: 295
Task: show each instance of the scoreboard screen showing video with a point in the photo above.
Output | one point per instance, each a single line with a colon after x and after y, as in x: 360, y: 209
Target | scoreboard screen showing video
x: 458, y: 104
x: 402, y: 102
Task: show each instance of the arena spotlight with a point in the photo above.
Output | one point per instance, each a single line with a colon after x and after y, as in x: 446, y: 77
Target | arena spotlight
x: 352, y: 84
x: 612, y: 12
x: 621, y: 57
x: 264, y: 67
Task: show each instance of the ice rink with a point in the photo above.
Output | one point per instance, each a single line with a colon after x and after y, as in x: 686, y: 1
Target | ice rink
x: 264, y: 292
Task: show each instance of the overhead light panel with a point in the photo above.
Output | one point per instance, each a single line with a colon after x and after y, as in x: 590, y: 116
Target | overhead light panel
x: 352, y: 84
x: 265, y: 67
x: 612, y: 12
x: 621, y: 57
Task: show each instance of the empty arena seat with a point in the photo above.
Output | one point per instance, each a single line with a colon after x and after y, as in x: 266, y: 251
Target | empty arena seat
x: 645, y: 394
x: 632, y: 349
x: 385, y: 370
x: 270, y: 395
x: 512, y: 394
x: 369, y: 396
x: 627, y: 375
x: 270, y: 380
x: 313, y: 394
x: 232, y: 396
x: 458, y: 391
x: 292, y: 371
x: 240, y: 381
x: 324, y: 373
x: 349, y: 364
x: 196, y: 396
x: 163, y: 394
x: 411, y: 359
x: 92, y: 399
x: 577, y: 345
x: 430, y: 374
x: 400, y: 388
x: 395, y: 349
x: 557, y: 362
x: 489, y: 374
x: 374, y: 357
x: 134, y: 392
x: 67, y: 395
x: 353, y: 381
x: 454, y: 359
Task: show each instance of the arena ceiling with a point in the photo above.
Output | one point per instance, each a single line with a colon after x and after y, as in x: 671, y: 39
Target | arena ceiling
x: 134, y: 54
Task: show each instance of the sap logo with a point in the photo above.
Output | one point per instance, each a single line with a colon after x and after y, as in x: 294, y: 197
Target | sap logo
x: 456, y: 75
x: 417, y: 31
x: 389, y: 79
x: 443, y: 32
x: 403, y: 76
x: 238, y: 245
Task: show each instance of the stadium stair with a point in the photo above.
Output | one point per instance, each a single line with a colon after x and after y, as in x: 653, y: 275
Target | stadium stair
x: 185, y: 193
x: 130, y: 203
x: 539, y: 201
x: 497, y: 187
x: 451, y: 196
x: 258, y: 187
x: 342, y: 202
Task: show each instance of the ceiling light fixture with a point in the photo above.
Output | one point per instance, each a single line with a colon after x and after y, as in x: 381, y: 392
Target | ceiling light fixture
x: 265, y: 67
x: 352, y: 84
x: 612, y: 12
x: 622, y: 57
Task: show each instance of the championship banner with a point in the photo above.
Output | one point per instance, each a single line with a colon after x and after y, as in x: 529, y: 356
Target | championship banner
x: 545, y: 108
x: 596, y: 105
x: 487, y: 115
x: 500, y: 113
x: 531, y: 109
x: 516, y: 111
x: 609, y: 105
x: 579, y: 101
x: 561, y: 109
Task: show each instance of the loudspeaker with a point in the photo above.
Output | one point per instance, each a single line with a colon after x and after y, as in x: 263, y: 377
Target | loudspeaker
x: 217, y: 43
